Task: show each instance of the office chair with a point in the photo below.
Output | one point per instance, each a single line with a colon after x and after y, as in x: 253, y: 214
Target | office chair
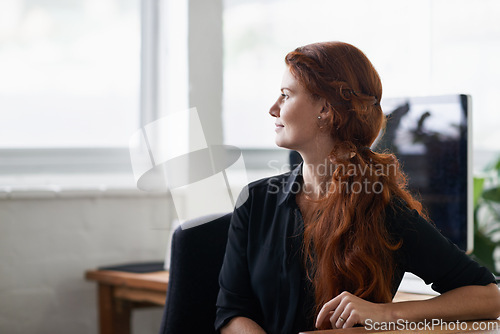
x: 195, y: 262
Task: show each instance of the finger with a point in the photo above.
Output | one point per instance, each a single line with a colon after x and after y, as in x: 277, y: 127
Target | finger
x: 335, y: 320
x: 326, y: 322
x: 347, y: 319
x: 324, y: 313
x: 341, y: 320
x: 350, y: 317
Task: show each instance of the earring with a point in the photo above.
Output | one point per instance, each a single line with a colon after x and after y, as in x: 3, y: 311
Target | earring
x: 319, y: 117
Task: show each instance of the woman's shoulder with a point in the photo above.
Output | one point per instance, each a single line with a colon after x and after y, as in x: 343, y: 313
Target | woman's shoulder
x: 270, y: 190
x: 398, y: 207
x: 264, y: 195
x: 401, y: 218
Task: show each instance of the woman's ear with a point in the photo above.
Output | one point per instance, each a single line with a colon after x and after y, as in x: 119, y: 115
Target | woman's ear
x: 325, y: 107
x: 327, y: 115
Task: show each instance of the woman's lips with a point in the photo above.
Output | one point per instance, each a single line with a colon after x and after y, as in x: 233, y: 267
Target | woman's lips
x: 279, y: 126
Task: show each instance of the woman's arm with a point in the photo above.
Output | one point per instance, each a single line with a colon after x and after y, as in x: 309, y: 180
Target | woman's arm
x: 464, y: 303
x: 241, y: 325
x: 236, y: 303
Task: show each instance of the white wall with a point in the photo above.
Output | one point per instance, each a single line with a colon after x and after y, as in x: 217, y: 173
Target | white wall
x: 46, y: 244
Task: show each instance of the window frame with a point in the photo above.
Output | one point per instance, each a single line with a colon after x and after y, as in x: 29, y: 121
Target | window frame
x: 18, y: 162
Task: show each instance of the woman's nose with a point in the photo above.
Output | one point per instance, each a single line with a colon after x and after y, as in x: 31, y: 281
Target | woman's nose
x: 275, y: 109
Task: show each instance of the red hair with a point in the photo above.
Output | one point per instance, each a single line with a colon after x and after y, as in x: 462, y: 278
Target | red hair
x: 346, y: 240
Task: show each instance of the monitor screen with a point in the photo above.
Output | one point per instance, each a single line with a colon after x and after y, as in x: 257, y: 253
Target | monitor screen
x: 431, y: 139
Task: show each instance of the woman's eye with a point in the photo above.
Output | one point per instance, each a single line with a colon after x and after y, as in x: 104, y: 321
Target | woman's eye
x: 284, y: 96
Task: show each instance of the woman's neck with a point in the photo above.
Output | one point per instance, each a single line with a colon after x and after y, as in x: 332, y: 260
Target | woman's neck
x: 317, y: 175
x: 317, y: 169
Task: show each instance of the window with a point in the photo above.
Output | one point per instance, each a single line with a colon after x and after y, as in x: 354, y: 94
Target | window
x: 419, y: 48
x: 70, y: 73
x: 69, y: 89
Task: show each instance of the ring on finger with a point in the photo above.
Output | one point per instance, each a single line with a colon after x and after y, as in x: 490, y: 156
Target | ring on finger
x: 341, y: 319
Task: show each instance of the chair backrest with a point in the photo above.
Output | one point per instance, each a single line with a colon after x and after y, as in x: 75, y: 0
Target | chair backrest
x: 195, y: 262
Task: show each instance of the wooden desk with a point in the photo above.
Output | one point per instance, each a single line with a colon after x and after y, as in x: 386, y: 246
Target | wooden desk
x: 120, y: 292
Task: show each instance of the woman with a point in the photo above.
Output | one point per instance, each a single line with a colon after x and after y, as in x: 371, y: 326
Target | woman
x: 326, y: 245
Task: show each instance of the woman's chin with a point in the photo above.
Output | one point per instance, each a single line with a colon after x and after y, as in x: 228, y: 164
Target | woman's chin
x: 283, y: 144
x: 280, y: 143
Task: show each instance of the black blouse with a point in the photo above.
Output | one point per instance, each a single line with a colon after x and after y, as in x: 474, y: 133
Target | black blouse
x: 262, y: 277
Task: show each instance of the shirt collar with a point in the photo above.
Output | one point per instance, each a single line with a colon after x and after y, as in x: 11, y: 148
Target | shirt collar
x: 292, y: 185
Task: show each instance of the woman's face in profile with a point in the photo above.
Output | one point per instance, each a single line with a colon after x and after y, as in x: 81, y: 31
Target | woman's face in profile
x: 296, y: 114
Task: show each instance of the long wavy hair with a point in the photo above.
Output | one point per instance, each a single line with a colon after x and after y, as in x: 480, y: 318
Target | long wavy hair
x: 346, y: 242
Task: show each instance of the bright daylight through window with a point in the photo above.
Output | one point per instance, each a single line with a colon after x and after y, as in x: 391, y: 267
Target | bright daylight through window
x: 70, y: 73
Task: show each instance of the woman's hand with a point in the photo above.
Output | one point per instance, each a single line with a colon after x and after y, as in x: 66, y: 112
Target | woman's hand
x: 347, y: 310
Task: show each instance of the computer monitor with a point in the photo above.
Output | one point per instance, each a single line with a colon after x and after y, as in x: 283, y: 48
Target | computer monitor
x: 431, y: 137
